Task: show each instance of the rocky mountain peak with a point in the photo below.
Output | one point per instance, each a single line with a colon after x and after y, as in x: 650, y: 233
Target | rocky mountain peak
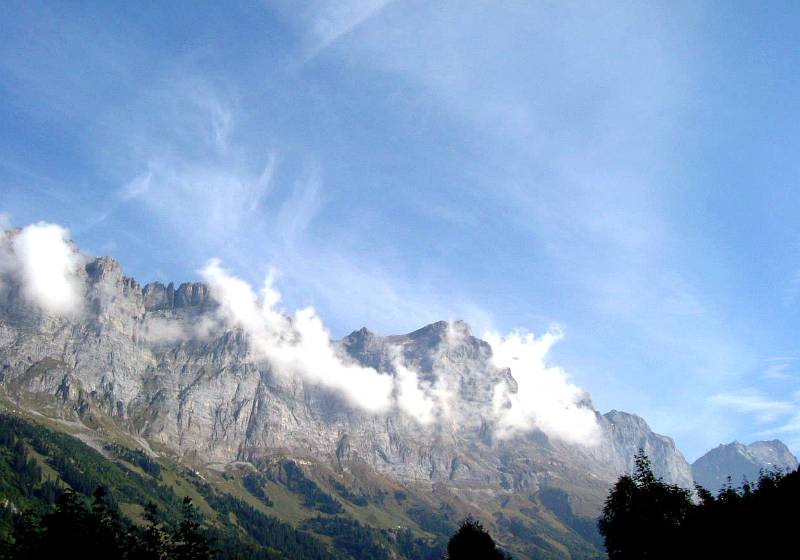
x: 628, y: 433
x: 157, y: 296
x: 739, y: 461
x: 773, y: 452
x: 442, y: 329
x: 358, y: 338
x: 363, y: 332
x: 619, y: 418
x: 104, y: 268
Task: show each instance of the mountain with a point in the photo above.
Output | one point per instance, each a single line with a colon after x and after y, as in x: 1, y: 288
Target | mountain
x: 739, y: 462
x: 154, y: 369
x: 631, y: 432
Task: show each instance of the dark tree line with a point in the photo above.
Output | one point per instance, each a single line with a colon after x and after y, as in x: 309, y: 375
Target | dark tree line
x: 77, y: 528
x: 644, y: 517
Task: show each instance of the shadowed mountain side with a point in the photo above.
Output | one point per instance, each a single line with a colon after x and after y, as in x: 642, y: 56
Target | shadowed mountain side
x: 739, y: 461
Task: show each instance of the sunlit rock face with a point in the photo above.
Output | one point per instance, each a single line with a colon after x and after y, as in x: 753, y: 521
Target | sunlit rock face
x: 741, y: 462
x: 628, y: 432
x: 157, y: 360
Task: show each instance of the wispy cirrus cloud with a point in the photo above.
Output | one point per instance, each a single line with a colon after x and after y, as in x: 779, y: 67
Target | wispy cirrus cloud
x: 191, y: 171
x: 754, y: 402
x: 323, y: 22
x: 774, y: 405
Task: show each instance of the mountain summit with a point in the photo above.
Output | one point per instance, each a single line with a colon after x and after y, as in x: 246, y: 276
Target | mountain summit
x: 739, y: 461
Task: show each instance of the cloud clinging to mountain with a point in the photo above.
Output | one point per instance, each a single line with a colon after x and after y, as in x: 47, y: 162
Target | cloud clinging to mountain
x: 46, y: 267
x: 544, y: 397
x: 300, y: 344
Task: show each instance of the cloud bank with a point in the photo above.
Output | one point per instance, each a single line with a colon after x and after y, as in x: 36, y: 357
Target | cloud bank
x: 300, y: 344
x: 46, y: 267
x: 297, y: 344
x: 40, y: 259
x: 544, y: 397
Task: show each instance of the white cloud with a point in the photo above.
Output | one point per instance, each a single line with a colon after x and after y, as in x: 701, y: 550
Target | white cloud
x: 216, y: 195
x: 163, y: 330
x: 5, y: 221
x: 137, y: 187
x: 545, y: 398
x: 412, y: 398
x: 183, y: 164
x: 753, y: 401
x: 324, y: 22
x: 46, y: 266
x: 220, y: 196
x: 298, y: 344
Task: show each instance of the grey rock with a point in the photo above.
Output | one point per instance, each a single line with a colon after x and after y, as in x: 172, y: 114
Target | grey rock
x: 627, y: 433
x: 741, y: 462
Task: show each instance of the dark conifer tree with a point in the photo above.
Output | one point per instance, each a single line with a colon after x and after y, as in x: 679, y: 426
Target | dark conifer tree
x: 187, y: 541
x: 151, y: 541
x: 77, y: 530
x: 472, y: 542
x: 643, y: 515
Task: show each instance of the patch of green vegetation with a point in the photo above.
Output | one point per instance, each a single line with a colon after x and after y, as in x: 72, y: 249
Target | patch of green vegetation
x: 557, y: 501
x: 135, y: 457
x: 411, y: 546
x: 351, y: 537
x: 265, y: 530
x: 77, y: 523
x: 281, y: 511
x: 347, y: 494
x: 81, y: 468
x: 254, y: 482
x: 431, y: 521
x: 313, y: 496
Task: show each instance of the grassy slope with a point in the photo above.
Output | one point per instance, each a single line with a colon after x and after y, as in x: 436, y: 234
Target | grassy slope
x: 402, y: 521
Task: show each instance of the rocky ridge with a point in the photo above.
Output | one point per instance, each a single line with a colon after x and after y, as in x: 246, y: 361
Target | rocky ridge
x: 156, y: 362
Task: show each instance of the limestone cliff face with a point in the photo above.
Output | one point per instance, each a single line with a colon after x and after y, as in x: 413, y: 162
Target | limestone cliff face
x: 627, y: 432
x: 739, y: 461
x: 151, y: 358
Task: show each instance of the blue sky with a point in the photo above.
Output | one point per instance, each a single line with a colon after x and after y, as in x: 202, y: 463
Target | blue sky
x: 625, y: 171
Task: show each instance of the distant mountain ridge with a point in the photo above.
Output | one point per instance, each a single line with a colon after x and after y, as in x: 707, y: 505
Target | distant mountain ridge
x: 739, y: 462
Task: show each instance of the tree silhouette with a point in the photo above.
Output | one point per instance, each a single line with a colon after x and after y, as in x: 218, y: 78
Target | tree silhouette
x: 472, y: 542
x: 643, y: 514
x: 644, y: 517
x: 187, y: 541
x: 77, y: 530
